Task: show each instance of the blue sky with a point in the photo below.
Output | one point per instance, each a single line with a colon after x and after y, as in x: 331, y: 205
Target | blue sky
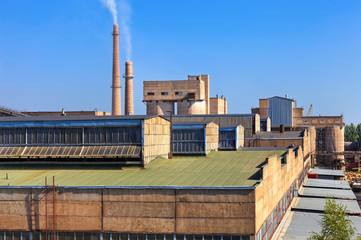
x: 58, y: 54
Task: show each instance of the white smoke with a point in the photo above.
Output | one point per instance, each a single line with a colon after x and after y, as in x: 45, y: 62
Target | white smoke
x: 110, y: 4
x: 125, y: 12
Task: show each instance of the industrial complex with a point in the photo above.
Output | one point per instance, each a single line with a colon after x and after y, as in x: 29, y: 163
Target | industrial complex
x: 185, y: 170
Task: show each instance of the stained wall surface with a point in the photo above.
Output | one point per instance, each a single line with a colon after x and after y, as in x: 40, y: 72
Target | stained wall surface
x: 212, y: 137
x: 277, y: 179
x: 128, y: 210
x: 156, y: 138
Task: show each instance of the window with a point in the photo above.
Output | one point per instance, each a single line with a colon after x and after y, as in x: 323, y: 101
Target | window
x: 307, y: 120
x: 164, y: 93
x: 178, y: 93
x: 150, y: 93
x: 322, y: 120
x: 191, y: 95
x: 338, y: 120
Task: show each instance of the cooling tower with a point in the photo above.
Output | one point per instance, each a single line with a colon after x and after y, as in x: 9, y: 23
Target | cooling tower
x: 128, y: 103
x: 116, y: 105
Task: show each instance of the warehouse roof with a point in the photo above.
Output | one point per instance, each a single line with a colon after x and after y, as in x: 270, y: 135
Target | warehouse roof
x: 322, y: 183
x: 75, y: 118
x: 217, y: 169
x: 327, y: 192
x: 303, y: 223
x: 278, y: 135
x: 328, y: 172
x: 318, y: 205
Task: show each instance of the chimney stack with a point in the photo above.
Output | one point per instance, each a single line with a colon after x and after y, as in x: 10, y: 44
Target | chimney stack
x: 128, y: 106
x: 116, y: 106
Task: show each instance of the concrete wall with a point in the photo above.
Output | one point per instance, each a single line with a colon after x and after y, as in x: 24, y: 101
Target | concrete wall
x: 160, y: 107
x: 277, y: 179
x: 319, y: 121
x: 197, y: 107
x: 129, y: 210
x: 218, y: 106
x: 156, y: 139
x: 334, y: 141
x: 240, y: 136
x: 171, y: 87
x: 257, y: 123
x: 212, y: 137
x: 297, y: 112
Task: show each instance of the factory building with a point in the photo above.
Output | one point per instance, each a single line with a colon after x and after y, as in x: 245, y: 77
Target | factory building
x: 250, y: 122
x: 224, y: 195
x: 195, y: 138
x: 182, y: 97
x: 66, y: 139
x: 329, y: 129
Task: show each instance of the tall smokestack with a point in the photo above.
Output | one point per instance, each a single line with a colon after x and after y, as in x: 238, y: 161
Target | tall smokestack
x: 128, y: 106
x: 116, y: 106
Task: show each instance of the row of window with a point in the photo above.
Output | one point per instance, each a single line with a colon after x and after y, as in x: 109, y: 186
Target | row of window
x: 70, y: 136
x: 112, y: 236
x: 164, y: 93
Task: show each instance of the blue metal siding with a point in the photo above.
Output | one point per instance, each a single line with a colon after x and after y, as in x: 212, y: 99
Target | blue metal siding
x: 92, y: 123
x: 191, y: 141
x: 280, y: 111
x: 227, y: 138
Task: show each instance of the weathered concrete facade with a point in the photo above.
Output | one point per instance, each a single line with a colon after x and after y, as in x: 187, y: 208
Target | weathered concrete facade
x: 239, y: 211
x: 190, y: 97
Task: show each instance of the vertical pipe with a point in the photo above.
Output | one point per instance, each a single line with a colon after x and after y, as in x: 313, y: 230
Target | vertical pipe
x: 54, y: 207
x: 46, y: 208
x: 116, y: 106
x: 128, y: 103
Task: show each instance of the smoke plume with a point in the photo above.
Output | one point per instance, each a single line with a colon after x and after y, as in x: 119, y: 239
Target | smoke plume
x: 110, y: 4
x: 125, y: 12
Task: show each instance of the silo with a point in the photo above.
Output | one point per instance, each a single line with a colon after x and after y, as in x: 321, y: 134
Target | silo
x: 334, y: 141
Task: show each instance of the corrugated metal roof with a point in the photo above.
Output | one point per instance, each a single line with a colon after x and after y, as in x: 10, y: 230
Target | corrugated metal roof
x: 322, y: 183
x: 328, y: 172
x: 318, y: 204
x: 326, y: 192
x: 71, y: 123
x: 217, y: 169
x: 245, y: 149
x: 79, y: 118
x: 303, y: 223
x: 278, y: 135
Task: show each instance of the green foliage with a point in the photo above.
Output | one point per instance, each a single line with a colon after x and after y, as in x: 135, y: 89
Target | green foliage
x: 351, y: 133
x: 335, y: 223
x: 358, y: 132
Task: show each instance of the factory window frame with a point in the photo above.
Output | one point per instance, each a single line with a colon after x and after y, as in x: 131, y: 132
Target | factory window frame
x: 191, y: 95
x: 164, y: 93
x: 178, y: 93
x: 307, y: 120
x: 322, y: 120
x: 338, y: 120
x: 150, y: 93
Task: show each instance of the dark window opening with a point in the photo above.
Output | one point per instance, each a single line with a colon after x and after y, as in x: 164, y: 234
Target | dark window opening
x: 150, y: 93
x: 164, y: 93
x: 191, y: 95
x: 178, y: 93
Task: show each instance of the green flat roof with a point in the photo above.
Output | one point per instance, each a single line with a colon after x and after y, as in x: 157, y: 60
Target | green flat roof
x: 217, y: 169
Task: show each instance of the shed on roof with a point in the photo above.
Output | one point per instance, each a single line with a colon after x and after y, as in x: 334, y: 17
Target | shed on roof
x: 189, y: 138
x: 231, y: 137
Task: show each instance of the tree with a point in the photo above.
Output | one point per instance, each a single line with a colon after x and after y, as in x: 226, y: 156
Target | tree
x: 350, y: 133
x: 358, y: 132
x: 335, y: 223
